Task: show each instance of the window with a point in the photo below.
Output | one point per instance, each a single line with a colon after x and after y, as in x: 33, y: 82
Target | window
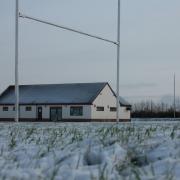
x: 13, y: 108
x: 5, y: 108
x: 113, y: 109
x: 76, y: 111
x: 100, y: 108
x: 128, y: 108
x: 28, y: 108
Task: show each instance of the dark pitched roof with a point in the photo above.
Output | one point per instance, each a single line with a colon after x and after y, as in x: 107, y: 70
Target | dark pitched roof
x: 123, y: 102
x: 79, y: 93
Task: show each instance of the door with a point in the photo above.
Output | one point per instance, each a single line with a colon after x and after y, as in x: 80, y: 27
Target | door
x: 53, y: 115
x: 56, y: 113
x: 39, y: 113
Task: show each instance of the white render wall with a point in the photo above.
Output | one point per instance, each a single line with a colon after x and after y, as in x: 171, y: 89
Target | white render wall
x: 107, y: 99
x: 27, y: 114
x: 10, y: 114
x: 124, y: 113
x: 7, y: 114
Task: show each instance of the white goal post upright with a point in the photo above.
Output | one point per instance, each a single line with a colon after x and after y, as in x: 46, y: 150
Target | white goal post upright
x: 174, y: 95
x: 117, y: 43
x: 118, y: 61
x: 16, y: 61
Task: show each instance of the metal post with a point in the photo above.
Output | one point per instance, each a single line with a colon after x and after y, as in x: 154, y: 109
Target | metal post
x: 118, y: 61
x: 16, y: 62
x: 174, y: 96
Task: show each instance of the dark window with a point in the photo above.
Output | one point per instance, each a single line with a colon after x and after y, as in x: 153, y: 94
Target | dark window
x: 13, y: 108
x: 113, y: 109
x: 128, y: 108
x: 100, y: 108
x: 76, y: 111
x: 5, y: 108
x: 28, y: 108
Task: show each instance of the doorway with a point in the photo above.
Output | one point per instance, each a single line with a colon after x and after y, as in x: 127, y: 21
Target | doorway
x: 39, y: 113
x: 56, y: 113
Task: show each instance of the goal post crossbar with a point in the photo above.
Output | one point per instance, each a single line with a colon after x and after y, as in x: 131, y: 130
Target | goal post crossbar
x: 66, y: 28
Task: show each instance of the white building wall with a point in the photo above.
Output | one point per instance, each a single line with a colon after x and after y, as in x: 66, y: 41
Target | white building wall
x: 66, y: 112
x: 7, y: 114
x: 124, y: 113
x: 27, y: 114
x: 107, y: 99
x: 45, y: 111
x: 10, y: 114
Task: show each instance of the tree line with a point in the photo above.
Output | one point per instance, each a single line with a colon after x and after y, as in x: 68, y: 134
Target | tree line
x: 150, y: 109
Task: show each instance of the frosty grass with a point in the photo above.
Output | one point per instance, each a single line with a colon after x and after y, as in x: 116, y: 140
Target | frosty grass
x: 80, y: 151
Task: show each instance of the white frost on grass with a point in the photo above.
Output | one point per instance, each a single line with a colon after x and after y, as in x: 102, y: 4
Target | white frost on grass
x: 88, y: 151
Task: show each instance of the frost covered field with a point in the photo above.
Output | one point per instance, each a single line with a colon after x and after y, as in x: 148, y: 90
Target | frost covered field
x: 77, y: 151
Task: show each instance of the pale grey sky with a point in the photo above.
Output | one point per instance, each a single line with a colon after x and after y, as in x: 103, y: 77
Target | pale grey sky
x: 150, y: 42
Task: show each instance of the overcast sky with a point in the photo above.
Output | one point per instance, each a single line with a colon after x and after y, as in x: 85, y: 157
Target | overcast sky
x: 150, y: 44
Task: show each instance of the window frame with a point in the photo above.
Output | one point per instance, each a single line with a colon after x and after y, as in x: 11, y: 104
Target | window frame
x: 100, y: 108
x: 113, y: 109
x: 76, y: 108
x: 28, y: 108
x: 128, y: 108
x: 5, y: 108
